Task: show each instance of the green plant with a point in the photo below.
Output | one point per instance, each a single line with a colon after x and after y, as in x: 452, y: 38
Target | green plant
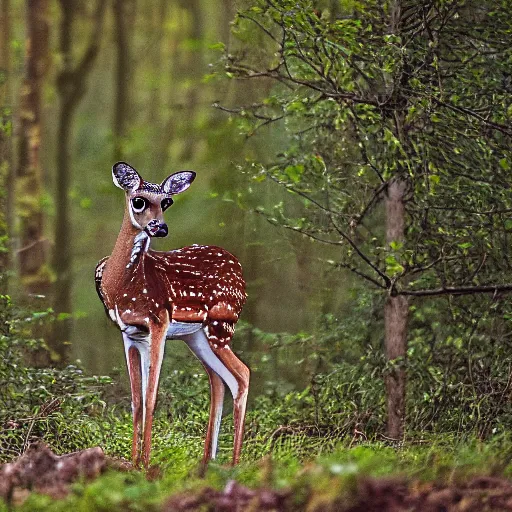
x: 59, y: 406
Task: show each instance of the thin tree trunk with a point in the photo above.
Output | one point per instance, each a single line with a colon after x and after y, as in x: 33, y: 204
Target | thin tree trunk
x: 192, y: 69
x: 228, y: 15
x: 6, y: 170
x: 166, y: 127
x: 396, y: 309
x: 63, y: 240
x: 33, y: 246
x: 124, y: 29
x: 396, y: 312
x: 158, y: 19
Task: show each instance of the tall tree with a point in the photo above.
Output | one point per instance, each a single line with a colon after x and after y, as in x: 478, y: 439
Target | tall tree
x: 71, y: 86
x: 192, y: 69
x: 156, y: 33
x: 6, y: 170
x: 398, y: 126
x: 29, y: 176
x: 124, y: 25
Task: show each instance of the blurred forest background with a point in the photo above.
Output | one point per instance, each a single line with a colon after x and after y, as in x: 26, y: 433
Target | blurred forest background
x: 128, y: 80
x: 354, y: 155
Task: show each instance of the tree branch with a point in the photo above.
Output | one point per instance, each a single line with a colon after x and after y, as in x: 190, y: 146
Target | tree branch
x: 458, y: 290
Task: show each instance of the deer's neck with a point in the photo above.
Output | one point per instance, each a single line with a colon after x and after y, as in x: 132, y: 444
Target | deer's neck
x: 130, y: 246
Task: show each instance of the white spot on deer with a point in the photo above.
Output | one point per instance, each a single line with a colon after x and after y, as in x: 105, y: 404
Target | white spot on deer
x: 125, y: 295
x: 144, y: 291
x: 146, y: 320
x: 133, y: 299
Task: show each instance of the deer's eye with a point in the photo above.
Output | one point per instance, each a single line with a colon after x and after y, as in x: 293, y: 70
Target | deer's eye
x: 166, y: 203
x: 138, y: 204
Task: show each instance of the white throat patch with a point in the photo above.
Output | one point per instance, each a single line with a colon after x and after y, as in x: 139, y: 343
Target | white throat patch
x: 140, y: 244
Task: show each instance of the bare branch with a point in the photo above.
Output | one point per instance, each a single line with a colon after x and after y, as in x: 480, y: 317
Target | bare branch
x: 507, y: 130
x: 459, y: 290
x: 360, y: 253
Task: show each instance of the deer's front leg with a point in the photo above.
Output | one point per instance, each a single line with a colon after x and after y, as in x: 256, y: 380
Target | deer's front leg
x: 144, y: 347
x: 151, y: 366
x: 133, y: 361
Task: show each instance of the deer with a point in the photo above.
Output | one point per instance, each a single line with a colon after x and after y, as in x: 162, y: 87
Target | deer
x: 194, y: 294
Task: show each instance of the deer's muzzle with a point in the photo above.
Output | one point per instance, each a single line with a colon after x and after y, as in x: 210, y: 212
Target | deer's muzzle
x: 157, y: 228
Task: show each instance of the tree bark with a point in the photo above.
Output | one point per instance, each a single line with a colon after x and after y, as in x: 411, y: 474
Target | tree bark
x: 33, y: 246
x: 396, y: 311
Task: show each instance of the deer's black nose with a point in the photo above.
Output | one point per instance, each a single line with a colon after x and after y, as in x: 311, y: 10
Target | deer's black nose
x: 162, y: 230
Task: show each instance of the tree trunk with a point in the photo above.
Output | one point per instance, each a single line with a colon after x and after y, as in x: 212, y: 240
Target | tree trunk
x: 396, y: 312
x: 6, y: 171
x: 228, y: 15
x: 192, y: 70
x: 33, y: 246
x: 158, y: 20
x: 124, y: 29
x: 62, y: 260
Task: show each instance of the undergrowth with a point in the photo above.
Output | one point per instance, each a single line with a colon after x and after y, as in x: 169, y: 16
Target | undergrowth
x: 458, y: 407
x: 458, y: 389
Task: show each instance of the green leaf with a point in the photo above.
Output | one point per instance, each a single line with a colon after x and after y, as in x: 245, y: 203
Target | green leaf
x: 294, y: 172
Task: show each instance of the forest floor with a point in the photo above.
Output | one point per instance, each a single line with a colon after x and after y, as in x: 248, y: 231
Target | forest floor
x: 363, y: 478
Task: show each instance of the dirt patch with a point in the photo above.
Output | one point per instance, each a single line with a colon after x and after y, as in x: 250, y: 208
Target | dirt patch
x: 479, y: 494
x: 40, y: 470
x: 234, y: 498
x: 370, y: 495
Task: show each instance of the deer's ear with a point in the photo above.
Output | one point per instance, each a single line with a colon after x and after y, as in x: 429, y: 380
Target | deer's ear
x: 125, y: 176
x: 178, y: 182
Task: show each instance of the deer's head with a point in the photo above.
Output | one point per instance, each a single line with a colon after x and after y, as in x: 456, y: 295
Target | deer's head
x: 146, y: 202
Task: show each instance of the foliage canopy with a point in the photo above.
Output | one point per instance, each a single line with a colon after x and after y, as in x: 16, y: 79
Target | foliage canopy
x: 369, y: 92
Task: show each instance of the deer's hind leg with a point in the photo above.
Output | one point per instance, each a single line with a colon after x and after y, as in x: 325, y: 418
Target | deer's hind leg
x: 217, y: 390
x: 242, y: 374
x: 219, y: 375
x: 234, y: 373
